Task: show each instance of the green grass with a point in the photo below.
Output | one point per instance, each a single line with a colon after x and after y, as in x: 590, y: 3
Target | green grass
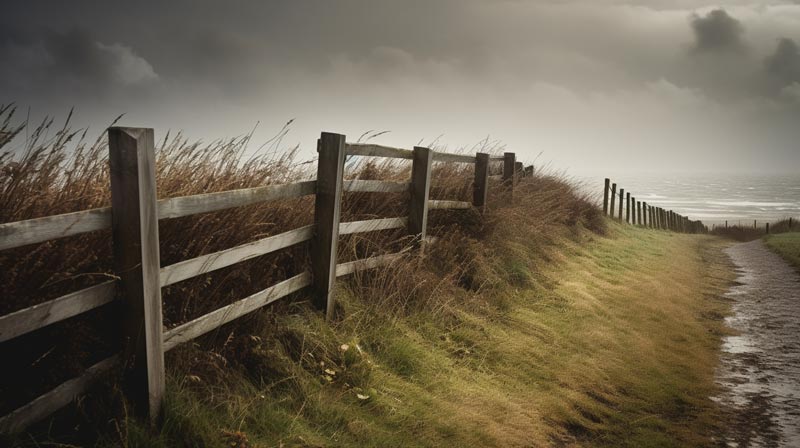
x: 786, y: 245
x: 613, y: 343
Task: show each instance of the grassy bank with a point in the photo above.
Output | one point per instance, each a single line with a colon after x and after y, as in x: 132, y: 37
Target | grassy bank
x: 613, y: 343
x: 786, y: 245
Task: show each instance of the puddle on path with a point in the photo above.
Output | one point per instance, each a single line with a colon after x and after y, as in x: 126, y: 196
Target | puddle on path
x: 760, y: 366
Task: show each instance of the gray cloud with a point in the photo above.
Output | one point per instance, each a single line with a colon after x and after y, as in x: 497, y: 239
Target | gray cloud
x: 717, y: 31
x: 784, y: 63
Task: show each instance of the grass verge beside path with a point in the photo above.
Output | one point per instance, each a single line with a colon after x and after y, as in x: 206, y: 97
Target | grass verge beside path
x: 615, y: 345
x: 786, y: 245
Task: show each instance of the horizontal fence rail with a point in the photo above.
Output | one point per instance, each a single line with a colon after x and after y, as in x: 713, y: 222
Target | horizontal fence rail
x: 134, y: 225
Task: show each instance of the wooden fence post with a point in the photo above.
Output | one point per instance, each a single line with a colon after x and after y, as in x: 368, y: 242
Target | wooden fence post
x: 639, y: 212
x: 509, y: 166
x: 621, y: 197
x: 767, y: 231
x: 613, y: 198
x: 480, y: 187
x: 628, y: 208
x: 327, y: 209
x: 134, y: 230
x: 633, y: 210
x: 420, y: 188
x: 519, y: 169
x: 644, y: 214
x: 605, y: 196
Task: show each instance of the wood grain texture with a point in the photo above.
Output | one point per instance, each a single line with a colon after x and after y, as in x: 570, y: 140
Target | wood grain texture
x: 210, y: 202
x: 448, y: 157
x: 183, y: 270
x: 56, y: 399
x: 134, y: 228
x: 215, y: 319
x: 376, y: 186
x: 371, y: 225
x: 441, y: 205
x: 366, y: 149
x: 367, y: 263
x: 47, y: 313
x: 327, y: 209
x: 480, y: 184
x: 31, y: 231
x: 420, y: 188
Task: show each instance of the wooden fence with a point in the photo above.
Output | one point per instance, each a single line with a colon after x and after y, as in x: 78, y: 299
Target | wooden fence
x: 640, y: 213
x: 133, y: 218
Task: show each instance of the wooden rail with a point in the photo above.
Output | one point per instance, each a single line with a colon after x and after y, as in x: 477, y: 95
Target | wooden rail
x: 133, y: 218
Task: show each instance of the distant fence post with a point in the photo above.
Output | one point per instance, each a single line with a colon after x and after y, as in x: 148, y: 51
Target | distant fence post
x: 420, y: 188
x: 613, y: 198
x: 134, y: 230
x: 519, y: 169
x: 639, y: 212
x: 644, y: 214
x: 621, y: 197
x: 633, y: 210
x: 628, y: 208
x: 767, y: 231
x: 509, y: 166
x: 480, y: 188
x: 327, y: 210
x: 605, y: 195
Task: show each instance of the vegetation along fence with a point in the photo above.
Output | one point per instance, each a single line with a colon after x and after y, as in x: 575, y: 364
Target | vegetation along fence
x: 641, y: 213
x: 133, y: 218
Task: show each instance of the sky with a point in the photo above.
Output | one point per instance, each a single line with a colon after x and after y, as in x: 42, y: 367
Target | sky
x: 591, y: 87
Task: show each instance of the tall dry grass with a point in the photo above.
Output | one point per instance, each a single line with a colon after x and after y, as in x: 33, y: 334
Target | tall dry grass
x: 55, y: 169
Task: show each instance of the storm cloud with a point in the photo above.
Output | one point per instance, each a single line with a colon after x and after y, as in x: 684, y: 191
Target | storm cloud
x: 661, y: 84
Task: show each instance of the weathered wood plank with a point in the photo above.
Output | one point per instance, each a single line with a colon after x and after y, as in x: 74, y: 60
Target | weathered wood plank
x: 183, y: 270
x: 215, y: 319
x: 210, y: 202
x: 367, y: 263
x: 54, y: 400
x: 441, y: 205
x: 371, y: 225
x: 32, y: 318
x: 366, y: 149
x: 376, y: 186
x: 31, y: 231
x: 449, y: 157
x: 134, y: 229
x: 420, y: 188
x: 497, y: 158
x: 327, y: 210
x: 480, y: 184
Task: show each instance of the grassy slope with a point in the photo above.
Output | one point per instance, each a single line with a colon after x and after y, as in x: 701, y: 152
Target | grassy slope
x: 786, y: 245
x: 613, y: 344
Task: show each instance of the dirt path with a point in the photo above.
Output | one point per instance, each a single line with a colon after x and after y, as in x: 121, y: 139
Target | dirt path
x: 760, y: 366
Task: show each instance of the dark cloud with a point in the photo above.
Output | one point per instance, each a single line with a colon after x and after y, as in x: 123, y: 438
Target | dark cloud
x: 784, y: 63
x: 717, y: 31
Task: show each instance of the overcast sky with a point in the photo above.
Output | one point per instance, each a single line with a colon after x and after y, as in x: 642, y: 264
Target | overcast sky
x: 597, y: 86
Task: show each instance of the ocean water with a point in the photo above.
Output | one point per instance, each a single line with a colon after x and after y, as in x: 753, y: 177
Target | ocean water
x: 714, y: 199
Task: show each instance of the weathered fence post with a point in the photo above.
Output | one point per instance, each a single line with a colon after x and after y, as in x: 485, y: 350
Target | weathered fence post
x: 327, y: 209
x: 767, y: 231
x: 605, y: 196
x: 628, y: 207
x: 613, y: 197
x: 644, y: 214
x: 633, y: 210
x: 639, y: 213
x: 509, y: 166
x: 519, y: 169
x: 621, y: 197
x: 420, y: 188
x: 134, y: 230
x: 480, y: 188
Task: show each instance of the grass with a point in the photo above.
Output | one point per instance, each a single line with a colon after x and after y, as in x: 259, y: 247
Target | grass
x: 524, y: 326
x: 590, y: 350
x: 786, y: 245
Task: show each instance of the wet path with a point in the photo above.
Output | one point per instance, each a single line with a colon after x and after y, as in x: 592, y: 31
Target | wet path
x: 760, y: 366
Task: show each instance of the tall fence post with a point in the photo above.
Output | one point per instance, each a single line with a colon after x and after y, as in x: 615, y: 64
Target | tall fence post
x: 480, y: 188
x: 327, y: 209
x: 420, y: 188
x: 628, y: 208
x: 621, y: 197
x: 644, y: 214
x: 605, y: 195
x: 509, y: 167
x: 639, y: 213
x: 134, y: 230
x: 633, y: 210
x: 767, y: 231
x: 613, y: 198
